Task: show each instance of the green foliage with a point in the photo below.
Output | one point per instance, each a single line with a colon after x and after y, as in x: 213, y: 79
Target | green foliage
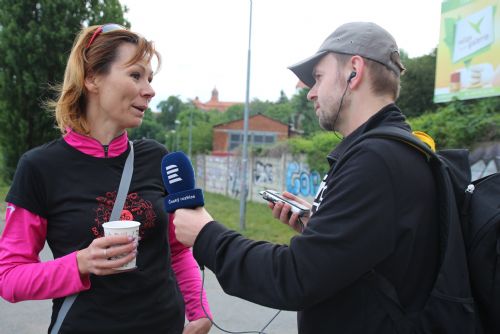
x: 201, y: 130
x: 4, y: 189
x: 281, y: 112
x: 35, y: 39
x: 233, y: 113
x: 150, y: 128
x: 462, y: 123
x: 283, y: 98
x: 169, y: 110
x: 259, y: 107
x: 105, y: 11
x: 316, y: 148
x: 417, y: 85
x: 260, y: 224
x: 177, y: 137
x: 304, y: 118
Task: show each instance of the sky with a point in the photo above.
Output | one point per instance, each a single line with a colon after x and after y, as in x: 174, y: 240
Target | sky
x: 204, y: 43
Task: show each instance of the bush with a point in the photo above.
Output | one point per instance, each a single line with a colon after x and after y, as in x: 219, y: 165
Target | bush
x: 461, y: 124
x: 316, y: 148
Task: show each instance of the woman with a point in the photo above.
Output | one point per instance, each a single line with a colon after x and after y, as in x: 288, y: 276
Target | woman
x: 64, y: 191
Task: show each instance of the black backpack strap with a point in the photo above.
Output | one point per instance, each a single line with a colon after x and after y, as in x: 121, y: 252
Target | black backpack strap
x: 391, y: 133
x: 399, y: 134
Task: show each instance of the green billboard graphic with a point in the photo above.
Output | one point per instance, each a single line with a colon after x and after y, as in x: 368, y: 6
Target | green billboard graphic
x: 468, y: 57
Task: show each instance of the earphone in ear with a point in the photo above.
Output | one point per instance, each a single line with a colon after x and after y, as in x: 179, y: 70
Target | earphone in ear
x: 352, y: 75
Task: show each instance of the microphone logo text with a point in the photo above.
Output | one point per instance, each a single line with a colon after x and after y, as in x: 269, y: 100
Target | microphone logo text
x: 181, y: 199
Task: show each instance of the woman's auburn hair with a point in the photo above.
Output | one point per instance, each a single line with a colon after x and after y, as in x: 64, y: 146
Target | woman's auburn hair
x: 69, y: 107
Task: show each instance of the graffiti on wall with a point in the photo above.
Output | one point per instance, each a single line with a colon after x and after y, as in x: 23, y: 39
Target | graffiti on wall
x: 223, y: 175
x: 263, y: 172
x: 234, y: 180
x: 301, y: 181
x: 485, y: 160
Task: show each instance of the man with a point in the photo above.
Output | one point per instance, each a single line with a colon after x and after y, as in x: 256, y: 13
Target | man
x: 374, y: 216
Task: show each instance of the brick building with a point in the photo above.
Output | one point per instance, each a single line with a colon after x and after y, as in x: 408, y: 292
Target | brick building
x: 262, y: 130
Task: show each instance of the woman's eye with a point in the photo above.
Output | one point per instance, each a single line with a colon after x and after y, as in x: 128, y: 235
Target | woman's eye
x: 136, y: 76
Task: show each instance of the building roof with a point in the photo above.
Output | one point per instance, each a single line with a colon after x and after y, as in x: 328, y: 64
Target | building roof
x: 249, y: 118
x: 214, y: 103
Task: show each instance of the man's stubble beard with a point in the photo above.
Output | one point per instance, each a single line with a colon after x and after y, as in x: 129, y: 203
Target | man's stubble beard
x: 329, y: 120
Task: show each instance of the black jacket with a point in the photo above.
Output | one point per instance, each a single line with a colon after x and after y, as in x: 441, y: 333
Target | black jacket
x: 375, y: 211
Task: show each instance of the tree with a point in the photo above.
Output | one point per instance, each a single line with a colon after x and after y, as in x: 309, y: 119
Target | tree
x: 169, y: 111
x: 283, y: 98
x: 232, y: 113
x: 35, y: 39
x: 281, y: 112
x: 150, y: 128
x: 304, y: 117
x: 259, y: 107
x: 201, y: 130
x: 316, y: 148
x: 417, y: 85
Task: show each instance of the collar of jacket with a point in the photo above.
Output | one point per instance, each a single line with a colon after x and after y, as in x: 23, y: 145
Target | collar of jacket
x: 93, y: 147
x: 388, y: 115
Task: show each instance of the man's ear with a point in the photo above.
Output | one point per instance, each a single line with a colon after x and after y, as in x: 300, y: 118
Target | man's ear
x: 91, y: 83
x: 357, y: 67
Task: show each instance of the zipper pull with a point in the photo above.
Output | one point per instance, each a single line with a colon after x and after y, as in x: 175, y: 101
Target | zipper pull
x: 464, y: 212
x: 470, y: 189
x: 106, y: 149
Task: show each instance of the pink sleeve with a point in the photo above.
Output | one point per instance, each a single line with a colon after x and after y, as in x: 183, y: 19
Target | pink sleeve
x: 188, y: 276
x: 22, y: 275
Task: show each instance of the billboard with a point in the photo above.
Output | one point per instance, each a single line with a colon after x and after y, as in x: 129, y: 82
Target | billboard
x: 468, y: 54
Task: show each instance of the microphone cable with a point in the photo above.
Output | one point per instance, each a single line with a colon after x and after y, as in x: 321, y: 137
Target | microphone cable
x: 222, y: 329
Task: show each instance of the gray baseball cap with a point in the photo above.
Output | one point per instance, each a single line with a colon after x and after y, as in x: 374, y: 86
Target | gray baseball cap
x: 365, y: 39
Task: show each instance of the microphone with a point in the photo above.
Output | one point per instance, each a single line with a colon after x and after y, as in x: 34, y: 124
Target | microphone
x: 178, y: 178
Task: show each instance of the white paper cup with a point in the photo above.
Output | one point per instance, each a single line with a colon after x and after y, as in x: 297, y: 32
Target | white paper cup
x: 122, y: 227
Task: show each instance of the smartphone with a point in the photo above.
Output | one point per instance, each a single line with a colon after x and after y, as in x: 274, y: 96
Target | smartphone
x: 274, y: 196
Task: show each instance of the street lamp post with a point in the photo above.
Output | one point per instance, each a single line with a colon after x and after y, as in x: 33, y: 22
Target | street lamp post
x: 177, y: 123
x: 190, y: 133
x: 172, y: 139
x: 244, y: 158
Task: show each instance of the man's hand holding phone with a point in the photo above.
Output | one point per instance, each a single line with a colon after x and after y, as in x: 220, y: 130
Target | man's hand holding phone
x: 288, y: 208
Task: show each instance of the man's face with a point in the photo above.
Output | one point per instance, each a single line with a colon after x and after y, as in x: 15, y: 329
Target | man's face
x: 327, y: 92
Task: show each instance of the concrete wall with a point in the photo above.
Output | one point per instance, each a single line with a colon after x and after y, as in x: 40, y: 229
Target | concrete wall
x: 222, y: 175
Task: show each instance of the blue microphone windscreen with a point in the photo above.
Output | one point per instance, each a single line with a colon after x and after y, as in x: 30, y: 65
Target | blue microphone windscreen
x: 177, y: 172
x: 178, y: 178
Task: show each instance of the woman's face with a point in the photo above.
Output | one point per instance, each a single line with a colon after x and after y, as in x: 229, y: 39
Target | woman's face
x: 123, y: 94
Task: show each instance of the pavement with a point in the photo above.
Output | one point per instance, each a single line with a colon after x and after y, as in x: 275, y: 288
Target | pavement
x: 230, y: 313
